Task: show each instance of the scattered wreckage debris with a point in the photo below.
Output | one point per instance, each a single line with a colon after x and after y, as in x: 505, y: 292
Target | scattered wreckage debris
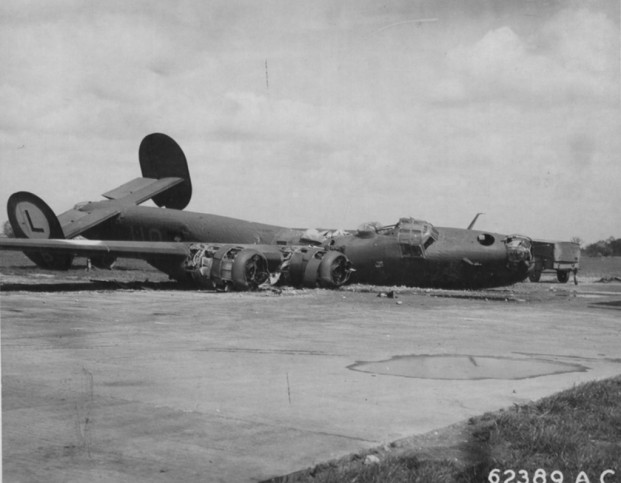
x: 493, y: 295
x: 609, y: 279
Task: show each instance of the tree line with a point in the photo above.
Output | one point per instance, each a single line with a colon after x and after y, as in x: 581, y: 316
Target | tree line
x: 610, y: 247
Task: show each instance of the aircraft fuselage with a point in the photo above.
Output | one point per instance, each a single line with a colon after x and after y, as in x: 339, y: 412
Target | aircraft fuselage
x: 411, y: 253
x: 142, y: 223
x: 455, y: 260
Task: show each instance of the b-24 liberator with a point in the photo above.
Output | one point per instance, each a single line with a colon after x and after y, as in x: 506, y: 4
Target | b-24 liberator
x: 220, y: 252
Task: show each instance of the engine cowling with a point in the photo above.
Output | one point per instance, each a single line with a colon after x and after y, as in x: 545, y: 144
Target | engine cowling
x: 248, y: 270
x: 316, y: 267
x: 334, y: 269
x: 227, y: 267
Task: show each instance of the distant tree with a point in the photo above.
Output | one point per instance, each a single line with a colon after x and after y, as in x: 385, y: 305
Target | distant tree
x: 7, y: 230
x: 576, y: 239
x: 615, y: 246
x: 604, y: 248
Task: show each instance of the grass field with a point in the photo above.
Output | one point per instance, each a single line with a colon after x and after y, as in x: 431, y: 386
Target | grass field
x: 600, y: 266
x: 572, y: 436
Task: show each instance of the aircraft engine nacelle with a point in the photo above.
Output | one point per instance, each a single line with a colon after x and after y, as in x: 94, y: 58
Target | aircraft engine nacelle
x: 316, y: 267
x: 227, y: 267
x: 247, y: 267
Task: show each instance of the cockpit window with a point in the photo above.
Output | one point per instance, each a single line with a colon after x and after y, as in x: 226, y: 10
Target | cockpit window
x: 415, y: 236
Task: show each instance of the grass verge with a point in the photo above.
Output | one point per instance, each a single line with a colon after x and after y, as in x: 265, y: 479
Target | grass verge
x: 572, y: 436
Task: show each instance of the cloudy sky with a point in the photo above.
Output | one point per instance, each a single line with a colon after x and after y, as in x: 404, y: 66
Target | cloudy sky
x: 325, y: 113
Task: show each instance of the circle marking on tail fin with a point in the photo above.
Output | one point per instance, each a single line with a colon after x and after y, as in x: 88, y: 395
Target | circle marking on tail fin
x: 31, y: 217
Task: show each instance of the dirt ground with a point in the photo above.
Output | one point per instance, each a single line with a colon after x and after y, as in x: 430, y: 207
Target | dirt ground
x: 123, y: 376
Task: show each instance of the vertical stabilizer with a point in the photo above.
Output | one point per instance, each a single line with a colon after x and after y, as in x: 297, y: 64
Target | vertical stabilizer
x: 161, y: 157
x: 31, y: 217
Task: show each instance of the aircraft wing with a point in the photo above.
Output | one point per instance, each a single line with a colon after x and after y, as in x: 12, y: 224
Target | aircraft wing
x: 242, y: 267
x: 91, y: 248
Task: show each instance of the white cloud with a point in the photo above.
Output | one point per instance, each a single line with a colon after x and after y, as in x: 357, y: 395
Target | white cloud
x: 353, y: 126
x: 573, y: 57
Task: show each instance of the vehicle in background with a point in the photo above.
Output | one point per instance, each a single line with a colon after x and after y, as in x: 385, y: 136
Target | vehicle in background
x: 561, y: 257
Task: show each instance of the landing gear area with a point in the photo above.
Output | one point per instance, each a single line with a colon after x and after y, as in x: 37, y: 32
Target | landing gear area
x: 561, y: 275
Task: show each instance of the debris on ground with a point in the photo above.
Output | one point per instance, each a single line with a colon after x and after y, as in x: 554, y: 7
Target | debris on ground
x: 609, y: 279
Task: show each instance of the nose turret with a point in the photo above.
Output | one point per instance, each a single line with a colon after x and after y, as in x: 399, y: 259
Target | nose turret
x: 519, y: 256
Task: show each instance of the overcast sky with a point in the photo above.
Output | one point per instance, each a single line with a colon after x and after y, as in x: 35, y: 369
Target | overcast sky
x: 325, y: 113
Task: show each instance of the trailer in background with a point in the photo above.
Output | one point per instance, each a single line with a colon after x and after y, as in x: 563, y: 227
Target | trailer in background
x: 561, y: 257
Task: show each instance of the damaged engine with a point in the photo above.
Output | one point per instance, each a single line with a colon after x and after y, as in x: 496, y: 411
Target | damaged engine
x: 519, y: 256
x: 235, y: 267
x: 315, y: 267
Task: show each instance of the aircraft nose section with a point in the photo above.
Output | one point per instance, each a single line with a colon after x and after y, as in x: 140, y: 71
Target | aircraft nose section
x: 519, y: 256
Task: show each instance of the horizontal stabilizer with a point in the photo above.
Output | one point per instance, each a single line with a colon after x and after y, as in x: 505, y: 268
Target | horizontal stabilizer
x: 91, y: 248
x: 141, y: 189
x: 74, y: 222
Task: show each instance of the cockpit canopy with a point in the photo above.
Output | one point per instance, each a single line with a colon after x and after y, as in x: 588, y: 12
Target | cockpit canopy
x: 414, y: 236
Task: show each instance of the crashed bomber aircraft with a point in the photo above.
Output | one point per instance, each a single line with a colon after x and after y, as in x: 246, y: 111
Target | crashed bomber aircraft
x: 220, y: 252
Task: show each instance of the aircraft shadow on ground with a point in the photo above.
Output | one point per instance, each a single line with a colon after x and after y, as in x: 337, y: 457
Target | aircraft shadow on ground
x: 93, y: 286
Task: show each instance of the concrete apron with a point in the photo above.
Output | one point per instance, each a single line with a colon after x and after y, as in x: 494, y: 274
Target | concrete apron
x: 190, y: 386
